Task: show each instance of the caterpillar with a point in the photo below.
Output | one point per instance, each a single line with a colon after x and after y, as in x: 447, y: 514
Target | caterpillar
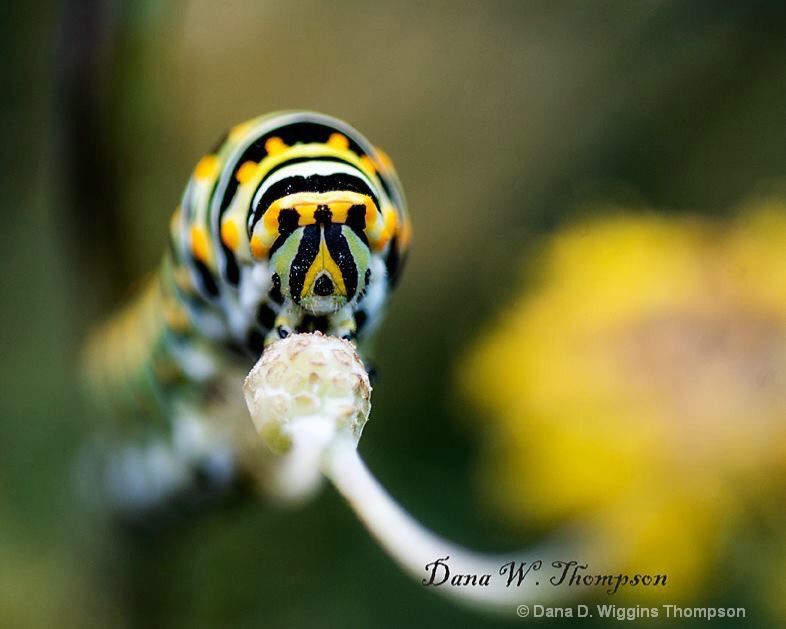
x: 293, y: 222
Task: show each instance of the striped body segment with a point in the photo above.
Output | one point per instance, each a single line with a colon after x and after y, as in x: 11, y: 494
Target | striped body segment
x: 294, y: 222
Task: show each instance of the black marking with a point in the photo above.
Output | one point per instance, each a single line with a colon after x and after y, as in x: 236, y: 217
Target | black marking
x: 309, y: 132
x: 205, y: 277
x: 393, y: 262
x: 266, y: 316
x: 323, y: 286
x: 282, y: 332
x: 275, y: 292
x: 356, y: 221
x: 255, y: 342
x: 208, y: 280
x: 323, y: 215
x: 373, y: 373
x: 360, y: 319
x: 231, y: 270
x: 341, y: 253
x: 367, y: 277
x: 287, y: 223
x: 312, y: 183
x: 306, y: 252
x: 311, y: 323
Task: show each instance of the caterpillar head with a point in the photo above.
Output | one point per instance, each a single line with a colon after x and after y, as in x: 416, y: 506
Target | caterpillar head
x: 319, y: 223
x: 322, y: 265
x: 319, y: 234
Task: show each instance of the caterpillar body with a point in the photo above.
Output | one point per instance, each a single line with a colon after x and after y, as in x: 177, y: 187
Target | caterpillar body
x: 294, y: 222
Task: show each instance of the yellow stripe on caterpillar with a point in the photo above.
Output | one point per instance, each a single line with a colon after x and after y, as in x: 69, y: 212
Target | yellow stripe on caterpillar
x: 323, y: 262
x: 378, y: 229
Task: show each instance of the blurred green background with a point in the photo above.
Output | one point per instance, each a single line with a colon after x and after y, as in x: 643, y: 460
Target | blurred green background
x: 505, y: 119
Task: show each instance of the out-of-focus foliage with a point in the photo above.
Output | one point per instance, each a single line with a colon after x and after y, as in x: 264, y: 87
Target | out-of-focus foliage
x: 505, y: 119
x: 638, y: 389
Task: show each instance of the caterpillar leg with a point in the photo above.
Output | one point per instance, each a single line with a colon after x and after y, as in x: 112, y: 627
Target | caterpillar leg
x: 286, y: 323
x: 343, y: 325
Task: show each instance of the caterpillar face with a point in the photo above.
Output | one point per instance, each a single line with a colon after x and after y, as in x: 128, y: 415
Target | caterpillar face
x: 322, y: 267
x: 316, y: 217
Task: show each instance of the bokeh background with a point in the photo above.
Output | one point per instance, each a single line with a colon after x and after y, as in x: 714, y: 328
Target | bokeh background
x: 508, y: 121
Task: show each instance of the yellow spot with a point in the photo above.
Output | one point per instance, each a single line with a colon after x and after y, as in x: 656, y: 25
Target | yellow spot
x: 338, y: 141
x: 339, y: 211
x: 206, y: 168
x: 246, y: 171
x: 366, y: 162
x: 199, y: 244
x: 405, y: 237
x: 384, y: 160
x: 270, y: 217
x: 391, y: 220
x: 275, y: 146
x: 239, y: 131
x: 306, y: 204
x: 323, y: 262
x: 371, y: 215
x: 230, y: 235
x: 305, y: 213
x: 258, y: 249
x: 379, y: 243
x: 389, y: 229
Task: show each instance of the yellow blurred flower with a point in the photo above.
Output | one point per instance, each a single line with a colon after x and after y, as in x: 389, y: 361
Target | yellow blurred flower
x: 639, y: 388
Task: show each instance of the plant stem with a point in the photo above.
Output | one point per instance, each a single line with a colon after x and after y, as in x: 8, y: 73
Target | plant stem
x: 413, y: 546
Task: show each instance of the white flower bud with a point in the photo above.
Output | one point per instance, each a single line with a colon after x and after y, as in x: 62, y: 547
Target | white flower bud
x: 303, y: 391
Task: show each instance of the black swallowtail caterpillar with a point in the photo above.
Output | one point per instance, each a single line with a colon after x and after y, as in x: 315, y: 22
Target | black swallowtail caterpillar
x: 294, y: 222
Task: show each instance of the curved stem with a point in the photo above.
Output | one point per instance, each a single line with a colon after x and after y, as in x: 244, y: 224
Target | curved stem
x: 413, y: 546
